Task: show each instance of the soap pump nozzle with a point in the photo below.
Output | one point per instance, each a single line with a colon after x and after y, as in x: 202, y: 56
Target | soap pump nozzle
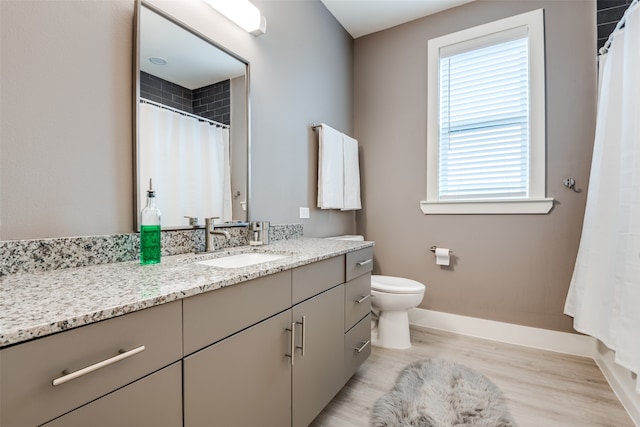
x: 150, y: 191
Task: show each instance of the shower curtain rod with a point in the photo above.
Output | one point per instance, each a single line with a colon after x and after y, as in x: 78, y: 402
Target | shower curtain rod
x: 184, y: 113
x: 604, y: 49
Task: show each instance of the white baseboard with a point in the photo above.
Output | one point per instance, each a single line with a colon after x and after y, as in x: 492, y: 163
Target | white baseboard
x: 622, y: 382
x: 561, y: 342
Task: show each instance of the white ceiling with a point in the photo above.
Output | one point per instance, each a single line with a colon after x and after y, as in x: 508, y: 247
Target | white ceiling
x: 362, y: 17
x: 191, y: 62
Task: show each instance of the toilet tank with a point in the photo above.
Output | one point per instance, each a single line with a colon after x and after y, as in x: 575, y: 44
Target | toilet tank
x: 354, y: 237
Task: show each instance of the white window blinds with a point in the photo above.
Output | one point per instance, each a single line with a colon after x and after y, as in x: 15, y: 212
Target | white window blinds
x: 484, y: 118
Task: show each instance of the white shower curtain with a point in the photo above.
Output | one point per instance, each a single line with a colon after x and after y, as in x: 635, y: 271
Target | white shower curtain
x: 604, y: 297
x: 189, y: 163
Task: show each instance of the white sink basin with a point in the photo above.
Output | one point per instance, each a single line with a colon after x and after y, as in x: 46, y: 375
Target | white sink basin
x: 241, y: 260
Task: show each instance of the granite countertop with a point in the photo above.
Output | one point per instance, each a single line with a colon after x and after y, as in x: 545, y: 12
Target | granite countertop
x: 34, y: 305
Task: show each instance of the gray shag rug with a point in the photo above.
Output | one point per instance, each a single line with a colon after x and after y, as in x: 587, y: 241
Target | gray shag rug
x: 438, y: 393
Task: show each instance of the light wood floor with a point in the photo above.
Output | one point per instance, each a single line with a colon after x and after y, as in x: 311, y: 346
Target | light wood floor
x: 542, y: 388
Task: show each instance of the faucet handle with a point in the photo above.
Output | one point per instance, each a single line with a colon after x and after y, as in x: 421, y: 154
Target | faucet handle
x: 193, y: 220
x: 209, y: 221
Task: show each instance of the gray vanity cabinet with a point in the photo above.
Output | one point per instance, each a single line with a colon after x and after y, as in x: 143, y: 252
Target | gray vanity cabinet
x: 243, y: 380
x: 357, y: 318
x: 155, y: 400
x: 49, y: 377
x: 249, y: 377
x: 236, y: 369
x: 318, y: 313
x: 213, y: 316
x: 272, y: 351
x: 317, y: 368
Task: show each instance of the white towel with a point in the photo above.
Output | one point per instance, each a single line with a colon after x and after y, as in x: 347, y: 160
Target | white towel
x: 330, y: 169
x: 351, y: 192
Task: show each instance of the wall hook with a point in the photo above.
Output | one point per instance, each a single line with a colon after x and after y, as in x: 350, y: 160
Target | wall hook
x: 570, y: 183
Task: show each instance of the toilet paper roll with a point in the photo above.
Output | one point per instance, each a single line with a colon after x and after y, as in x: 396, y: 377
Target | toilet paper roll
x: 442, y: 256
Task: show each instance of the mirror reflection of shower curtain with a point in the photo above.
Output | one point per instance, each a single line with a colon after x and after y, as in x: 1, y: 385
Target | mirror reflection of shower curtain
x: 604, y: 297
x: 189, y: 163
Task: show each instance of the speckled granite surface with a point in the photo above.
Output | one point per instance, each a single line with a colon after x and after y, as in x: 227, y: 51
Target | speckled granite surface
x: 44, y: 302
x: 54, y: 254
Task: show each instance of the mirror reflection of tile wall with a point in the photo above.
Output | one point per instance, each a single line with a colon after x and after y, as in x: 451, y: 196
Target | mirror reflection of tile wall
x: 211, y: 102
x: 609, y: 12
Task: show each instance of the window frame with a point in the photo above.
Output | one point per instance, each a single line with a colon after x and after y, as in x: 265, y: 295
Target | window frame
x: 536, y: 202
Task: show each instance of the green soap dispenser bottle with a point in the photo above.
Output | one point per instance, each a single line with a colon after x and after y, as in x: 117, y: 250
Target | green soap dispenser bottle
x: 150, y: 230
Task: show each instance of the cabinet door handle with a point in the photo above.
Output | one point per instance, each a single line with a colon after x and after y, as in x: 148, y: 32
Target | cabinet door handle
x: 365, y: 262
x: 68, y: 376
x: 293, y: 342
x: 303, y: 346
x: 363, y: 346
x: 363, y: 299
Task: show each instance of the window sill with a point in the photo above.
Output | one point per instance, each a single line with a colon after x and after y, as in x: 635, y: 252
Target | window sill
x: 490, y: 207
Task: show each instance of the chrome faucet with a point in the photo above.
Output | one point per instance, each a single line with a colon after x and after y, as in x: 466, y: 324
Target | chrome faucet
x: 209, y: 231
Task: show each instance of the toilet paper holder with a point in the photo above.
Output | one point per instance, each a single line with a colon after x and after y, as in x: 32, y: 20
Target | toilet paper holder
x: 433, y: 249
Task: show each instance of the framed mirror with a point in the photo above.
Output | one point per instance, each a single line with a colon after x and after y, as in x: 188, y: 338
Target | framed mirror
x: 191, y: 132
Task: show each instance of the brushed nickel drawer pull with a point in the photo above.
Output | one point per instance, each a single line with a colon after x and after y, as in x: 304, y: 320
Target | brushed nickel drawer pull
x: 303, y: 346
x: 363, y: 346
x: 365, y: 262
x: 363, y: 299
x: 293, y: 342
x: 84, y: 371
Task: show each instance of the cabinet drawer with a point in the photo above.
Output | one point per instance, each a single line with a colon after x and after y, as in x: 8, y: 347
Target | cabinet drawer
x: 312, y: 279
x: 215, y: 315
x: 357, y: 346
x: 359, y: 263
x: 28, y: 370
x: 357, y: 300
x: 155, y: 401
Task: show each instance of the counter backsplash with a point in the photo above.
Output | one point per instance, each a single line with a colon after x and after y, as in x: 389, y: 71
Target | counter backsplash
x: 25, y: 256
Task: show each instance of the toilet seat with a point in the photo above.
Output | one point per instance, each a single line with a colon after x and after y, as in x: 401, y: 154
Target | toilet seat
x: 396, y: 285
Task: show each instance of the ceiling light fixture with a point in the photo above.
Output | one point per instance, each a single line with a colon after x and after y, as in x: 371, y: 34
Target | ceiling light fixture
x: 157, y: 60
x: 242, y: 13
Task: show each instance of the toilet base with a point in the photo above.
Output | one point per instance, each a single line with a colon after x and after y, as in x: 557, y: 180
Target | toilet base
x: 392, y: 330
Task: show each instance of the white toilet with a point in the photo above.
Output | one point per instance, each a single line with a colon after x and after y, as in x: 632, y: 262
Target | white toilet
x: 392, y: 297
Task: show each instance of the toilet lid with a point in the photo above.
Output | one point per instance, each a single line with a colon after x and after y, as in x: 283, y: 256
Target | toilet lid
x: 396, y: 285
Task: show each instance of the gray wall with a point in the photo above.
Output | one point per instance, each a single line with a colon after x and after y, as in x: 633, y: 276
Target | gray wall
x: 65, y: 140
x: 66, y: 164
x: 511, y: 268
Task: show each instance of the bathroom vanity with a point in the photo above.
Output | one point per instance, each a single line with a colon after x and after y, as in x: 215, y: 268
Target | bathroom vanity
x: 181, y: 343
